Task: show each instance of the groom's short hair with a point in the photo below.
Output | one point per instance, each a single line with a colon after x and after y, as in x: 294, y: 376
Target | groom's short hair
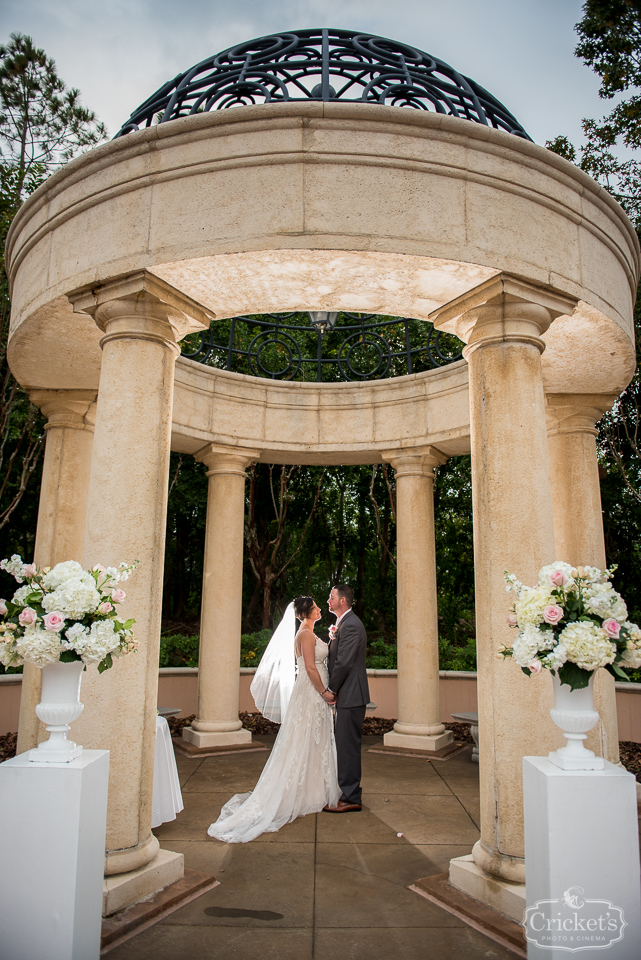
x: 344, y: 590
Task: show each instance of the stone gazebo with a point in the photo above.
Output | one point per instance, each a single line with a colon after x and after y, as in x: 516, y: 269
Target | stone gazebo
x: 311, y: 195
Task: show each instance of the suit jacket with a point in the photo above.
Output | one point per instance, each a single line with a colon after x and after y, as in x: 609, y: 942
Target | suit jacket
x: 346, y: 663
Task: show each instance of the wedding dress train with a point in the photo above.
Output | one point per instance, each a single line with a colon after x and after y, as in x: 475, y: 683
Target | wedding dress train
x: 300, y: 776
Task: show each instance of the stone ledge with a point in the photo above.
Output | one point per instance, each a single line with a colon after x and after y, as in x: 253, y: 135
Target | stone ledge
x: 124, y: 889
x: 133, y: 920
x: 475, y: 914
x: 189, y: 749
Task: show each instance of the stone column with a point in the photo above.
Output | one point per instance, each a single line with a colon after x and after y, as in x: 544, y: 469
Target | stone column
x: 578, y: 523
x: 419, y: 726
x: 502, y: 322
x: 142, y: 319
x: 61, y: 513
x: 218, y: 725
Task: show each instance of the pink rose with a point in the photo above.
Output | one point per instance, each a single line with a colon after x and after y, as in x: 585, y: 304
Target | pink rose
x: 29, y: 570
x: 98, y: 567
x: 557, y: 578
x: 53, y: 621
x: 553, y: 613
x: 105, y: 607
x: 511, y: 620
x: 27, y: 616
x: 3, y: 608
x: 118, y: 596
x: 612, y: 628
x: 535, y: 666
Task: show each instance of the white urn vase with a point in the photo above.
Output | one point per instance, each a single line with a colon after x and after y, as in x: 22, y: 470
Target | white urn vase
x: 60, y: 705
x: 574, y: 713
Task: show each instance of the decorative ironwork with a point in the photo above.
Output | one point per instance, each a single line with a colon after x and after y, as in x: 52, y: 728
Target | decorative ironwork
x: 323, y: 65
x: 360, y: 347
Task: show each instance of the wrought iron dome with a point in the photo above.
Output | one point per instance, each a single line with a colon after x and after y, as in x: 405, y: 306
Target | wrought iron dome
x: 323, y: 65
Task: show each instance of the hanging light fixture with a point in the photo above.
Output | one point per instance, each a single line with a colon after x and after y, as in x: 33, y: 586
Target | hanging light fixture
x: 323, y: 320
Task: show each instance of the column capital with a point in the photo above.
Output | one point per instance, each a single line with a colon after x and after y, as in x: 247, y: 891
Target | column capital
x: 222, y: 459
x: 66, y: 408
x: 502, y: 309
x: 141, y: 306
x: 575, y: 412
x: 415, y: 461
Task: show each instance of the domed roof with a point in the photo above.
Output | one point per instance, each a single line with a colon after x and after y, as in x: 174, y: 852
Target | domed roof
x: 323, y: 65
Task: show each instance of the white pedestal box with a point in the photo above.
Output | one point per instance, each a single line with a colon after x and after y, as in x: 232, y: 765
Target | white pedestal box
x: 581, y: 862
x: 53, y: 818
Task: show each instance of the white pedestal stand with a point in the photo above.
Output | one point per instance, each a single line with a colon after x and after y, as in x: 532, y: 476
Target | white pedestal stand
x: 582, y: 857
x: 53, y: 818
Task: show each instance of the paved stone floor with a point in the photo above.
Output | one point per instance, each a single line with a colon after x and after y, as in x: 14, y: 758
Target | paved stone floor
x: 325, y: 887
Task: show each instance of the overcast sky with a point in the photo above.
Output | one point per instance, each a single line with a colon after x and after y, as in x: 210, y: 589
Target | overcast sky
x: 117, y: 52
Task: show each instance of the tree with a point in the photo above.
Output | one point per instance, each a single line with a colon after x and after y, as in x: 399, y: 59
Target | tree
x: 42, y: 125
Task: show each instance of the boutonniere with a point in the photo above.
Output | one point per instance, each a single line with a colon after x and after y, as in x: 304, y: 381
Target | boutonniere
x: 332, y: 631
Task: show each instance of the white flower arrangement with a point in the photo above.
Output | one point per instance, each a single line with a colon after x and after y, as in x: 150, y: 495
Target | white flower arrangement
x: 571, y: 623
x: 65, y: 614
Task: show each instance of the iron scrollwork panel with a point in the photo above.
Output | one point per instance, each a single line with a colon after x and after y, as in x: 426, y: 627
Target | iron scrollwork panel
x: 361, y: 347
x: 323, y: 65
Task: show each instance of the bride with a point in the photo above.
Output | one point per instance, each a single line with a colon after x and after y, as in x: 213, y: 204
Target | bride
x: 300, y: 776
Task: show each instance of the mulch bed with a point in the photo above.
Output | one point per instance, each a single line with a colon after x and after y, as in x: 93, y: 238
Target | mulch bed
x: 630, y: 753
x: 8, y: 746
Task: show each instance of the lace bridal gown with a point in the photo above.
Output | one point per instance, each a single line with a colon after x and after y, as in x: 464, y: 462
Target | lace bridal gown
x: 300, y: 776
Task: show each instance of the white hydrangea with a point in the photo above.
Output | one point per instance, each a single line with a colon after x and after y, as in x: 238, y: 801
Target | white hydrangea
x: 587, y: 645
x: 7, y: 654
x: 21, y: 594
x: 631, y: 658
x: 531, y: 603
x: 603, y: 600
x: 39, y: 646
x: 75, y: 597
x: 15, y: 567
x: 527, y: 645
x: 556, y: 657
x: 77, y: 637
x: 61, y: 572
x: 102, y: 640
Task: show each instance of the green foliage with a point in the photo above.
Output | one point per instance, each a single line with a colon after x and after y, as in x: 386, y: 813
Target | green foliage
x: 381, y: 655
x: 252, y: 647
x: 179, y: 650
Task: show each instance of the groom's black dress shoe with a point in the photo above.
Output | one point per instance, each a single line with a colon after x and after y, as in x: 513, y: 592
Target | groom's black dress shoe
x: 342, y: 807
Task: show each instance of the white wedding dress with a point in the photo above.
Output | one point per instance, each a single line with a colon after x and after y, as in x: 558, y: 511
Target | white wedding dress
x: 300, y: 776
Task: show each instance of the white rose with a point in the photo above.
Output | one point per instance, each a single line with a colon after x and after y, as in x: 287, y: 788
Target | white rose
x: 75, y: 597
x: 62, y: 572
x: 587, y: 645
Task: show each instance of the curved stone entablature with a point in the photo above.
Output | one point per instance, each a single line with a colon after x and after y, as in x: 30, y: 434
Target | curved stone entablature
x: 323, y: 206
x: 325, y: 423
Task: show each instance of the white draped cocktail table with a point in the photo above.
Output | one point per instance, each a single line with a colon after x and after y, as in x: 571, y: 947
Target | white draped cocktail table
x: 167, y: 799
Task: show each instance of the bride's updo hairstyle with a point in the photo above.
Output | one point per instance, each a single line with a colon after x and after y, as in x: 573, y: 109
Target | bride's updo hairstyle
x: 302, y: 607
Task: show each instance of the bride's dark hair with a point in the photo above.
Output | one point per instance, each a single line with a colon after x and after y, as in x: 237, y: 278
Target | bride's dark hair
x: 302, y: 607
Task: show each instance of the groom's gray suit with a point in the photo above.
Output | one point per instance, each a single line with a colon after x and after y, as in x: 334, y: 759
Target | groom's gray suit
x: 348, y: 680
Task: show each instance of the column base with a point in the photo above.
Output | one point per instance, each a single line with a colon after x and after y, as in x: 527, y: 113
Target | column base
x: 206, y: 739
x: 508, y: 898
x: 420, y: 744
x: 123, y: 889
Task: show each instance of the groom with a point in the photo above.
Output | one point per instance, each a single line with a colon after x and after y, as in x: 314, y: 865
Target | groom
x: 349, y: 691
